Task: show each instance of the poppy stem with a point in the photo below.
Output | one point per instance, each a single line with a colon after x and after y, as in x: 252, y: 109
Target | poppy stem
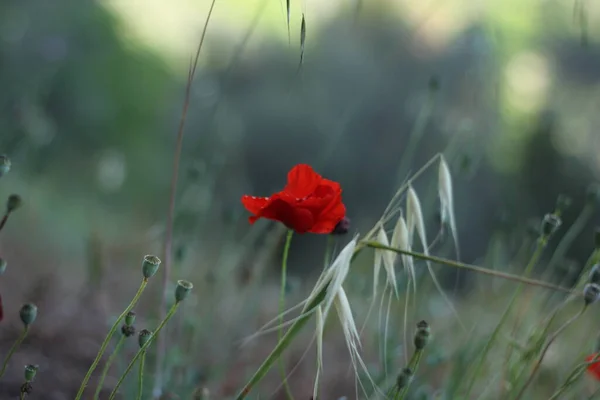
x: 14, y: 348
x: 107, y: 366
x: 574, y: 376
x: 286, y: 251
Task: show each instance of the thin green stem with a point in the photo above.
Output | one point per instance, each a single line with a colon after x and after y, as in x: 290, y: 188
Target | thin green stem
x: 107, y: 366
x: 286, y: 251
x: 541, y: 245
x: 108, y: 337
x: 143, y: 350
x: 469, y: 267
x: 283, y: 344
x: 413, y: 364
x: 573, y: 376
x: 545, y: 350
x: 570, y: 236
x: 22, y: 395
x: 141, y: 376
x: 14, y: 348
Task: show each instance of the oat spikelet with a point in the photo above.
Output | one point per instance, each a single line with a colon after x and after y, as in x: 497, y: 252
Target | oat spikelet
x: 319, y: 332
x: 400, y: 239
x: 447, y: 202
x: 388, y: 258
x: 415, y: 220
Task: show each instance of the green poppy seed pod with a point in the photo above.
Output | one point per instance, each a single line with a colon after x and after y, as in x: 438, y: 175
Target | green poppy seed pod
x: 14, y: 202
x: 550, y: 225
x: 594, y: 276
x: 130, y: 318
x: 30, y: 371
x: 128, y: 330
x: 563, y: 202
x: 2, y: 266
x: 591, y: 291
x: 422, y: 335
x: 150, y: 266
x: 593, y: 194
x: 28, y: 313
x: 4, y: 165
x: 143, y: 337
x: 404, y: 378
x: 183, y: 289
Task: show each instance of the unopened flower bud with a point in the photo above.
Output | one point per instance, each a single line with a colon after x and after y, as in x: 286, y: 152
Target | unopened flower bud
x: 4, y: 165
x: 550, y: 224
x: 14, y: 202
x: 404, y: 378
x: 130, y: 318
x: 342, y: 227
x: 128, y: 330
x: 143, y: 337
x: 150, y: 266
x: 2, y: 266
x: 593, y: 194
x: 30, y: 371
x: 594, y: 276
x: 422, y: 335
x: 28, y: 313
x: 183, y: 289
x: 591, y: 291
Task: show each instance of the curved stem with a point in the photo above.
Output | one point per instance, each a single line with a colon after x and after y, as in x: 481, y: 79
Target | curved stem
x: 3, y: 221
x: 108, y: 337
x: 141, y: 376
x: 107, y: 366
x: 574, y: 375
x: 286, y: 251
x: 14, y: 348
x: 142, y: 350
x: 541, y: 245
x: 545, y: 350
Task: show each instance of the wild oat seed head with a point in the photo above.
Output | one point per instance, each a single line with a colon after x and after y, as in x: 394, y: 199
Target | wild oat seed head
x: 183, y: 290
x: 4, y: 165
x: 150, y: 266
x: 593, y: 194
x: 143, y: 337
x: 594, y: 276
x: 404, y: 378
x: 14, y: 202
x: 550, y: 225
x: 591, y: 291
x: 30, y: 371
x: 28, y: 313
x: 130, y: 318
x: 3, y: 266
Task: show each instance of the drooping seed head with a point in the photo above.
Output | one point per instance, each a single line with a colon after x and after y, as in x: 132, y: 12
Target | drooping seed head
x: 143, y: 337
x: 130, y: 318
x: 550, y: 225
x: 28, y: 313
x: 150, y: 266
x: 14, y: 202
x: 5, y: 165
x: 591, y: 291
x: 30, y: 371
x: 2, y: 266
x: 183, y: 290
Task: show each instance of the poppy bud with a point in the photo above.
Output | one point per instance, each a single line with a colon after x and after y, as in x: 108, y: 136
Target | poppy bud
x: 183, y: 289
x: 342, y: 227
x: 150, y: 266
x: 404, y: 378
x: 591, y: 291
x: 28, y: 313
x: 422, y: 335
x: 563, y: 202
x: 593, y: 194
x: 550, y: 224
x: 597, y: 238
x: 594, y: 276
x: 4, y: 165
x: 2, y: 266
x: 30, y: 371
x: 143, y: 337
x: 130, y: 318
x: 128, y: 330
x: 14, y: 202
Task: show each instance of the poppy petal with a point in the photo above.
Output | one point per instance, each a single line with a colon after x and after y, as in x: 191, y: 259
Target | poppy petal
x: 299, y: 219
x: 254, y: 204
x: 593, y: 369
x: 302, y: 181
x: 329, y: 218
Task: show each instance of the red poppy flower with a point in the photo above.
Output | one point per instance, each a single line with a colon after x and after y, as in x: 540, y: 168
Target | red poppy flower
x: 308, y: 203
x: 594, y: 368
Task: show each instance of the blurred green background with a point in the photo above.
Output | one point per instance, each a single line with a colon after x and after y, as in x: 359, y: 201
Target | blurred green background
x: 90, y: 98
